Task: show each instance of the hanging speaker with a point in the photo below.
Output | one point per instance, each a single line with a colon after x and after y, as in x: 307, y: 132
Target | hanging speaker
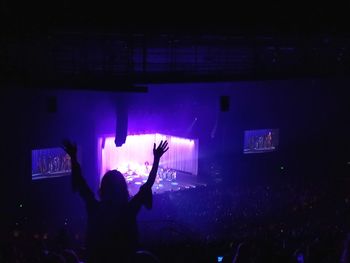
x: 121, y: 125
x: 51, y: 104
x: 224, y: 103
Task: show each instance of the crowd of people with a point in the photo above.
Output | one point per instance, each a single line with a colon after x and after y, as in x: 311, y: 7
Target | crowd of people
x: 291, y: 217
x: 292, y: 222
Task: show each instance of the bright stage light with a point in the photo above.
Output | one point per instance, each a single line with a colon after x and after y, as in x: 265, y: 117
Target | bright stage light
x: 134, y: 160
x: 182, y: 141
x: 136, y: 155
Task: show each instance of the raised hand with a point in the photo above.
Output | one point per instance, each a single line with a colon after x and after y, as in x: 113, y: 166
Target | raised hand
x: 70, y: 148
x: 157, y: 152
x: 160, y: 150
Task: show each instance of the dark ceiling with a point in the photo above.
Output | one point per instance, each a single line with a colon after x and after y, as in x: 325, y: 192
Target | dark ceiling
x: 79, y: 44
x: 203, y: 17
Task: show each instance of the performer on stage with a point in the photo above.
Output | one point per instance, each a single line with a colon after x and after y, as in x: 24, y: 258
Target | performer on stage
x: 146, y: 168
x: 269, y: 140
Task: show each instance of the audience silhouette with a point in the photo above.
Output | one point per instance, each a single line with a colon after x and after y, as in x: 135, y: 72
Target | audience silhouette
x: 112, y: 234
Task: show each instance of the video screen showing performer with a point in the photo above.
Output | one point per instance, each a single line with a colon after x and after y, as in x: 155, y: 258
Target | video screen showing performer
x: 261, y: 141
x: 50, y: 162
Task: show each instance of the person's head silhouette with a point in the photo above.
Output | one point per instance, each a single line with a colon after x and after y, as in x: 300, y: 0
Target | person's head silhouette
x: 114, y: 188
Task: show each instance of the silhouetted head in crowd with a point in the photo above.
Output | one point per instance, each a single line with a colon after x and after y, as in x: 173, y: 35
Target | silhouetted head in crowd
x: 114, y: 188
x: 70, y: 256
x: 145, y: 257
x: 54, y: 258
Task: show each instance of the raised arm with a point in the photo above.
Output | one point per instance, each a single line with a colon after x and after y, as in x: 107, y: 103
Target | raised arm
x: 144, y: 196
x: 157, y: 153
x: 78, y: 182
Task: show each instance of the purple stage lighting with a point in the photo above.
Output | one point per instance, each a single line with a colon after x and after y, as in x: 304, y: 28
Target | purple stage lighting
x: 134, y: 159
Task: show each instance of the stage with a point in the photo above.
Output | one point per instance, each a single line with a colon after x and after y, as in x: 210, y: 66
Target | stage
x: 181, y: 182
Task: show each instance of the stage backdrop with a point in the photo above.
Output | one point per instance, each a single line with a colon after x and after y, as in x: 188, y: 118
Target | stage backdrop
x: 138, y: 149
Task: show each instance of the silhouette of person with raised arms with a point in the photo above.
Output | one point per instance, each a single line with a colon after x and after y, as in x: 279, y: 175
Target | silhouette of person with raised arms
x: 112, y: 229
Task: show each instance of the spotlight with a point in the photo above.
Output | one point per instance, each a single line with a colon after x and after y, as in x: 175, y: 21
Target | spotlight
x: 189, y: 129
